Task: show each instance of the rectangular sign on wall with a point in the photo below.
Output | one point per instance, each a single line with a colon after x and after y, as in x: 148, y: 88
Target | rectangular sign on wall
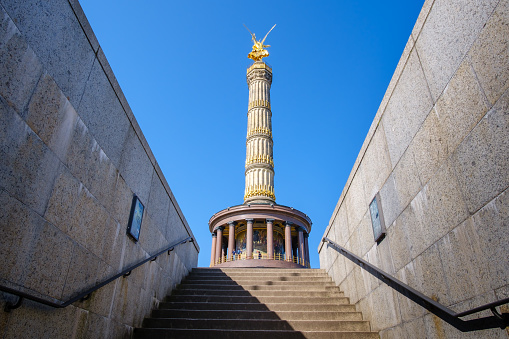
x: 134, y: 226
x: 377, y: 219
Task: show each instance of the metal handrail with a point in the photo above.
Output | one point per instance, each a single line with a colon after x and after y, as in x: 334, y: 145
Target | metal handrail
x: 85, y: 294
x: 497, y: 320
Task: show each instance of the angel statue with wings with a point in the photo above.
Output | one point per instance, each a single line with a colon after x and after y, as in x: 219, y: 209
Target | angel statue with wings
x: 259, y: 50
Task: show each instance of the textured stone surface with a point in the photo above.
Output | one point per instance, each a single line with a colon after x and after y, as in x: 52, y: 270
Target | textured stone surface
x: 491, y: 224
x: 426, y: 275
x: 449, y: 32
x: 423, y: 15
x: 400, y: 244
x: 110, y: 130
x: 72, y: 157
x: 395, y: 77
x: 340, y: 231
x: 51, y: 116
x: 384, y: 298
x: 461, y: 106
x: 464, y: 264
x: 19, y: 67
x: 482, y: 160
x: 49, y: 264
x: 46, y: 322
x: 20, y: 227
x: 376, y: 164
x: 28, y: 167
x: 63, y: 199
x: 356, y: 204
x: 136, y: 168
x: 50, y: 26
x: 406, y: 179
x: 429, y: 147
x: 444, y: 196
x: 408, y: 107
x: 97, y: 326
x: 82, y: 273
x: 158, y: 204
x: 440, y: 207
x: 389, y: 198
x: 490, y: 53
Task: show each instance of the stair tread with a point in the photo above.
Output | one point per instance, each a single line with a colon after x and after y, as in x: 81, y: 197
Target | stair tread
x: 253, y: 302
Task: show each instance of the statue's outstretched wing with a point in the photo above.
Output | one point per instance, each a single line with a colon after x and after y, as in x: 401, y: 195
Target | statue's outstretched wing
x: 252, y: 35
x: 267, y: 33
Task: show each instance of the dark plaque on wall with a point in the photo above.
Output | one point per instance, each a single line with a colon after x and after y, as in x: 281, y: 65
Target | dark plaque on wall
x: 134, y: 226
x: 377, y: 218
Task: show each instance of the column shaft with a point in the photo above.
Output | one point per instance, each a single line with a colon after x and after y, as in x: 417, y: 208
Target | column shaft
x: 306, y: 249
x: 249, y: 238
x: 213, y: 251
x: 270, y: 239
x: 231, y: 240
x: 301, y: 246
x: 288, y: 241
x: 219, y: 244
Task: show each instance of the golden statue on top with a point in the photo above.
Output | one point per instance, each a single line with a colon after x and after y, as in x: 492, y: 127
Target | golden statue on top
x: 259, y: 52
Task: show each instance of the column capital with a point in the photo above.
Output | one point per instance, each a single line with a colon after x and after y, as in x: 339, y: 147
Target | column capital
x: 214, y: 235
x: 232, y: 223
x: 306, y: 235
x: 301, y: 229
x: 270, y: 220
x: 220, y: 228
x: 288, y: 223
x: 250, y: 220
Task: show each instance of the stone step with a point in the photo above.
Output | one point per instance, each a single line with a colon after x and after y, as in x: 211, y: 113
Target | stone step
x: 309, y: 307
x: 242, y: 314
x: 257, y: 282
x: 278, y: 287
x: 260, y: 293
x: 257, y: 324
x: 270, y: 276
x: 258, y: 270
x: 251, y: 299
x: 162, y: 333
x: 262, y: 278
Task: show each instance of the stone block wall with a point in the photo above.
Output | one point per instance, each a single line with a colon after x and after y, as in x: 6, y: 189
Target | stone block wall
x: 71, y: 158
x: 438, y: 154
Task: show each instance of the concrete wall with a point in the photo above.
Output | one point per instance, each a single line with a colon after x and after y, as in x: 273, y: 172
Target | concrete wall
x: 72, y: 156
x: 438, y: 153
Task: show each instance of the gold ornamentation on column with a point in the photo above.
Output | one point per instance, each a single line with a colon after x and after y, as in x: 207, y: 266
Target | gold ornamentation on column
x: 259, y: 190
x: 260, y: 158
x: 259, y: 103
x: 259, y: 130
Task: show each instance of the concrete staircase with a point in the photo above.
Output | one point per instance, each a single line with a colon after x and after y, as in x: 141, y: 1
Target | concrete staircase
x: 256, y: 303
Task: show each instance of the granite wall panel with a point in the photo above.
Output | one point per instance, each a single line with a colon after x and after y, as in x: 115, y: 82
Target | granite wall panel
x: 73, y: 156
x: 49, y: 27
x: 437, y: 152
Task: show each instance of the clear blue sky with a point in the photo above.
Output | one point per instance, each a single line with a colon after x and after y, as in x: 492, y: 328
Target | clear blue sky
x: 182, y: 67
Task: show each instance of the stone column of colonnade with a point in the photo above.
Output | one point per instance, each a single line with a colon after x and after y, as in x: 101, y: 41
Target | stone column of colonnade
x: 213, y: 250
x: 231, y: 238
x: 270, y: 238
x: 259, y: 157
x: 217, y: 242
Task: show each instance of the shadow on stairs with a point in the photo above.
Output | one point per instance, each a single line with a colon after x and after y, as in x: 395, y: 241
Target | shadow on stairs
x: 256, y: 303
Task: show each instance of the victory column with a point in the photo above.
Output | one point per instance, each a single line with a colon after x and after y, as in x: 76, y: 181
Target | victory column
x: 259, y: 232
